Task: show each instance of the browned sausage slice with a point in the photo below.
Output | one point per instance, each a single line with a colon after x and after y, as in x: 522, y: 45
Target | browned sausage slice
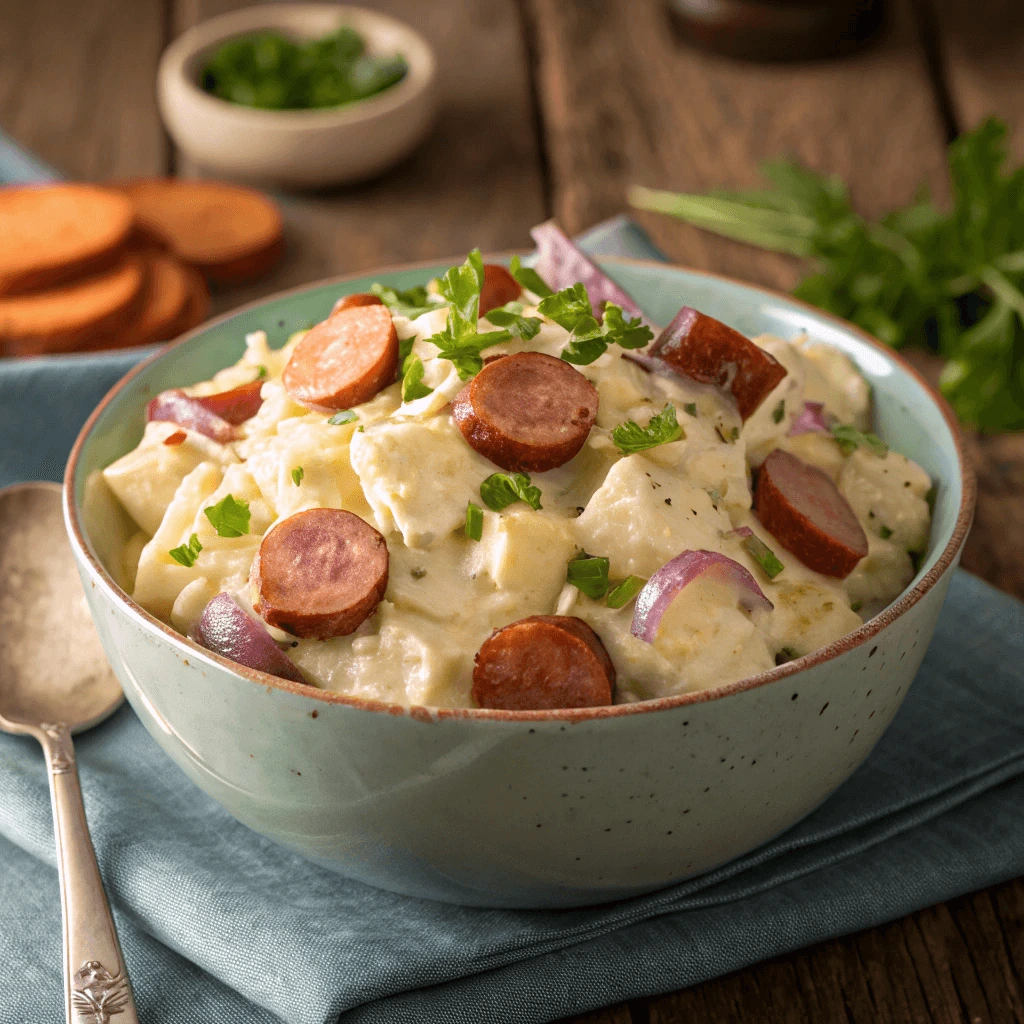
x: 354, y: 300
x: 528, y: 412
x: 320, y: 573
x: 803, y: 510
x: 345, y: 360
x: 499, y: 287
x: 541, y: 663
x: 237, y: 405
x: 711, y: 352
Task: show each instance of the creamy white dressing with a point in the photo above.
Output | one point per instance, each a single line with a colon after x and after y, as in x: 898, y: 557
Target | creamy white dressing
x: 406, y: 469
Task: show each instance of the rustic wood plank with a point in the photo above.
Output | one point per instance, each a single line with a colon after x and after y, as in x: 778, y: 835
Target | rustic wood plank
x: 623, y: 101
x: 77, y: 84
x: 610, y: 1015
x: 476, y: 181
x: 982, y: 53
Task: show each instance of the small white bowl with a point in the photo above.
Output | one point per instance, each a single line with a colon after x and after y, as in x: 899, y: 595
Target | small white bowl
x: 297, y: 148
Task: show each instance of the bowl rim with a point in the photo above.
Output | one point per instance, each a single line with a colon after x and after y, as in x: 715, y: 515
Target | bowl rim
x: 857, y: 638
x: 180, y: 52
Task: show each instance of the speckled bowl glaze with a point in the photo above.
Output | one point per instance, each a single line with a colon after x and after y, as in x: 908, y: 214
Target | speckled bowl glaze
x: 526, y: 809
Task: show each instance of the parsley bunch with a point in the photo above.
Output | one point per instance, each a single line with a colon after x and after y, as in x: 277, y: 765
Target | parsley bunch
x: 570, y: 308
x: 952, y: 281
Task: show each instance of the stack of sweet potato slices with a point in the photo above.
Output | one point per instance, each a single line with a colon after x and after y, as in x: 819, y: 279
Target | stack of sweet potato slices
x: 87, y: 267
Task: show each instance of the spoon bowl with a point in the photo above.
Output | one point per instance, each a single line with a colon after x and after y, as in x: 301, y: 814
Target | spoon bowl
x: 54, y: 668
x: 55, y: 680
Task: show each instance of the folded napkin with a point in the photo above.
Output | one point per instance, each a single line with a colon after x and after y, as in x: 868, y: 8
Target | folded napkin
x: 220, y: 924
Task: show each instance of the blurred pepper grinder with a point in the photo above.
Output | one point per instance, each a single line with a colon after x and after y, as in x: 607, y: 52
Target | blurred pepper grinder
x: 777, y: 29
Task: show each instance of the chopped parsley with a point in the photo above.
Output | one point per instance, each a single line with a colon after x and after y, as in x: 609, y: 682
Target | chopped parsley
x: 779, y: 411
x: 662, y: 428
x: 519, y: 326
x: 763, y: 555
x: 570, y: 308
x: 690, y: 409
x: 412, y: 380
x: 625, y: 592
x: 261, y: 372
x: 500, y: 490
x: 848, y: 438
x: 460, y: 341
x: 186, y: 554
x: 230, y: 518
x: 411, y: 303
x: 474, y: 521
x: 885, y: 533
x: 856, y: 606
x: 786, y: 654
x: 589, y: 574
x: 297, y: 474
x: 342, y: 417
x: 529, y: 279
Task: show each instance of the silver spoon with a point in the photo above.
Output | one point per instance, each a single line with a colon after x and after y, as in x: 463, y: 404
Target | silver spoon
x: 55, y: 681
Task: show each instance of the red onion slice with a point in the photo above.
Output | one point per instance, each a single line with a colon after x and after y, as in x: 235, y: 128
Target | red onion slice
x: 661, y: 589
x: 562, y: 263
x: 227, y: 629
x: 812, y: 420
x: 175, y: 406
x: 740, y: 531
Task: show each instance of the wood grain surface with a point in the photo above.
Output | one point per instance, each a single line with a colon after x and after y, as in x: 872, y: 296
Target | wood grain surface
x: 556, y: 106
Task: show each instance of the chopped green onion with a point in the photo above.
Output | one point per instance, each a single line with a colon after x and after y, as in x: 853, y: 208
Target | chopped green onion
x: 345, y: 416
x: 625, y: 591
x: 779, y: 411
x: 589, y: 574
x: 763, y: 555
x: 690, y: 409
x: 885, y: 533
x: 849, y: 437
x: 474, y: 521
x: 856, y: 606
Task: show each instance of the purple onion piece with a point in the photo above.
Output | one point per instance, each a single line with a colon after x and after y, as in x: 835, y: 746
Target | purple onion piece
x: 661, y: 589
x: 740, y: 531
x: 562, y: 263
x: 227, y: 629
x: 175, y: 406
x: 812, y: 420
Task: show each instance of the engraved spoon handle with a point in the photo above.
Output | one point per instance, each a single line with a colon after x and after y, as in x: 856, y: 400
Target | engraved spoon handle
x: 96, y: 986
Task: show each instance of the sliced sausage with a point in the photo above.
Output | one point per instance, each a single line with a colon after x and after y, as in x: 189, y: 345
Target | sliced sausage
x: 345, y: 360
x: 237, y: 405
x: 541, y: 663
x: 711, y: 352
x: 355, y: 300
x: 499, y: 287
x: 528, y: 412
x: 174, y: 406
x: 802, y: 509
x: 320, y: 573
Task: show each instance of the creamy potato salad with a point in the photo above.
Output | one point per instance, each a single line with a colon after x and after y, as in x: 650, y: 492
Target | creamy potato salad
x: 665, y: 468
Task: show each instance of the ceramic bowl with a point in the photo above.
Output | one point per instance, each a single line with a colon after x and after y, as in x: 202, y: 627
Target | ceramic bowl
x: 297, y: 148
x: 522, y: 809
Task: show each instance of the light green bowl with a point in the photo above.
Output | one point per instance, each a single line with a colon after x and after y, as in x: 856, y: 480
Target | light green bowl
x: 526, y: 809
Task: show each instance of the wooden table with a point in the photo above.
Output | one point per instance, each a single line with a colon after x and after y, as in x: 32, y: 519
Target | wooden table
x: 552, y: 107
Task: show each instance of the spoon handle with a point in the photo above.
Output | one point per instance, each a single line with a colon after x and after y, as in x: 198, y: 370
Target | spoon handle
x: 96, y: 986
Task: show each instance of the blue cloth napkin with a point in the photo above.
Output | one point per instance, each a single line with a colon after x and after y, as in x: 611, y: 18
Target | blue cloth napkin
x: 220, y: 924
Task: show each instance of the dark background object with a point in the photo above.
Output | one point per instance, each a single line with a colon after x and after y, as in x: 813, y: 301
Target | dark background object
x: 777, y: 29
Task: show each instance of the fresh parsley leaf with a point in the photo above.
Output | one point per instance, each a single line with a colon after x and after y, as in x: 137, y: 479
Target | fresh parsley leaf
x: 690, y: 409
x: 342, y: 417
x: 460, y: 341
x: 411, y: 303
x: 230, y: 518
x: 186, y: 554
x: 500, y: 490
x: 662, y: 428
x: 763, y: 555
x: 849, y: 438
x: 474, y: 521
x: 779, y: 411
x: 885, y: 533
x: 632, y: 333
x: 570, y: 308
x: 261, y: 372
x: 589, y: 574
x: 621, y: 595
x: 519, y: 326
x: 412, y: 380
x: 297, y: 474
x: 405, y: 349
x: 950, y: 282
x: 529, y: 278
